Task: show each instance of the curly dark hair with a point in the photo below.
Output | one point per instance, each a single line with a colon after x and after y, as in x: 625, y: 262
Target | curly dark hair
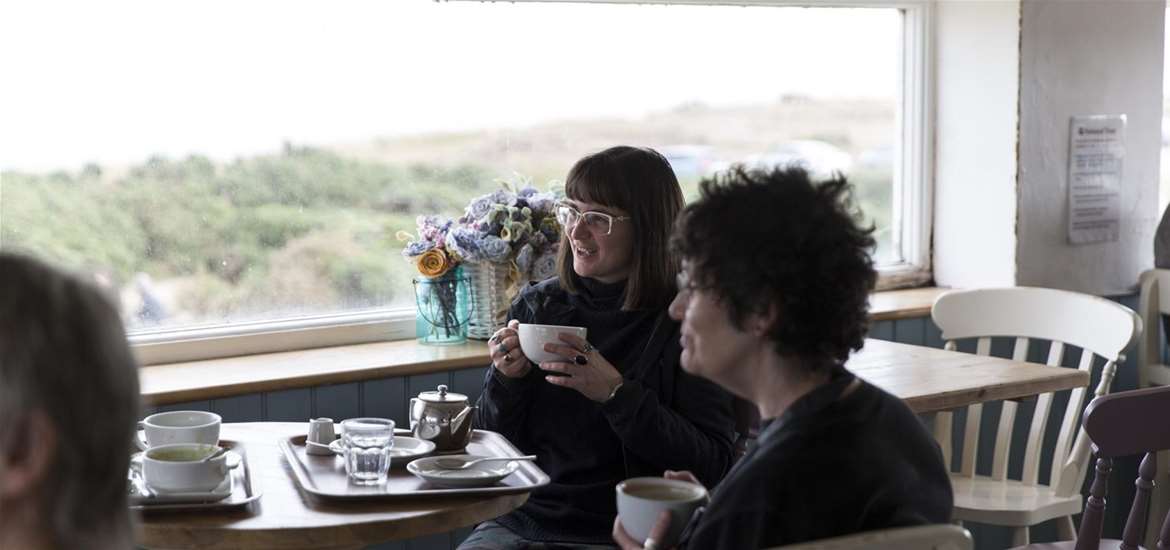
x: 773, y: 238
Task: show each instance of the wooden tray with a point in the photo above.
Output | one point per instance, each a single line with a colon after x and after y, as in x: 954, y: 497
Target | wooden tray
x: 242, y: 491
x: 324, y: 476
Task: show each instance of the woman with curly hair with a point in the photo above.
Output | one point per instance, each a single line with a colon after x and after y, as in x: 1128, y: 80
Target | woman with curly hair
x: 618, y: 405
x: 773, y: 297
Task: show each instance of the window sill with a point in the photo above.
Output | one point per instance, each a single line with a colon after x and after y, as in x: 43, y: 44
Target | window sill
x: 217, y: 378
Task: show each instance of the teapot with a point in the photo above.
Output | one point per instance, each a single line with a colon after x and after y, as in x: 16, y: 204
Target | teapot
x: 442, y: 418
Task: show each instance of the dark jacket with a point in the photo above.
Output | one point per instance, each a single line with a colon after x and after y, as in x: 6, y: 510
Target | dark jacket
x: 831, y: 465
x: 661, y: 418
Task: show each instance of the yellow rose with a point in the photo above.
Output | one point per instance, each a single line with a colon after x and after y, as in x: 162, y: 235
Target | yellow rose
x: 433, y: 263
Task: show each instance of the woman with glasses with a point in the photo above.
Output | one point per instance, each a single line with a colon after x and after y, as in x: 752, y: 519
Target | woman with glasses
x: 617, y: 405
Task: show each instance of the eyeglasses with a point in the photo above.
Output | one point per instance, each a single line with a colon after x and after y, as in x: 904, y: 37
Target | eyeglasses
x: 598, y: 222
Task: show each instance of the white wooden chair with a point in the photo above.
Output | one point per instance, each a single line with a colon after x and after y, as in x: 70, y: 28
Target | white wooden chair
x: 1153, y: 371
x: 925, y: 537
x: 1100, y: 328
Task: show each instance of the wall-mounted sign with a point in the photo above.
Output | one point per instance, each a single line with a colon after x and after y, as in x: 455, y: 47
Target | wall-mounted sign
x: 1096, y: 153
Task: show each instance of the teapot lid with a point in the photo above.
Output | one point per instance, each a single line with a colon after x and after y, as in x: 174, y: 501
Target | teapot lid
x: 442, y: 396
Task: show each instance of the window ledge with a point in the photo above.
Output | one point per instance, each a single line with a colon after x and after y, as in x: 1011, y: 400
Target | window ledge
x: 217, y: 378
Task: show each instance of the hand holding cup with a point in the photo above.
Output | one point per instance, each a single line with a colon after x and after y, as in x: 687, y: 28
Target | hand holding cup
x: 505, y: 351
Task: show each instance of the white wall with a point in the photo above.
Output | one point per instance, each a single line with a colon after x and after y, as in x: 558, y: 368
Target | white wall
x: 1084, y: 58
x: 977, y: 70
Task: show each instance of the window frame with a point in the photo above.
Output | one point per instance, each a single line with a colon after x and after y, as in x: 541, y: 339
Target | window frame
x: 912, y: 217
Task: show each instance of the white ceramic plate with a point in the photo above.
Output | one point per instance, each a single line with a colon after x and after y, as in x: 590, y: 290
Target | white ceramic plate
x: 404, y: 449
x: 479, y: 475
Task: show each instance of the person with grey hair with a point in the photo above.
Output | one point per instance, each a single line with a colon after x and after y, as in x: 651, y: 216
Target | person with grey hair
x: 68, y: 404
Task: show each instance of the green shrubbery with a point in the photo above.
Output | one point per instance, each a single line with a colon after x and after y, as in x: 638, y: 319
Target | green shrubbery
x: 299, y: 232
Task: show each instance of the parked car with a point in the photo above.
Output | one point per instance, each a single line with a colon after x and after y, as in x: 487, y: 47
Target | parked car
x: 819, y: 158
x: 691, y: 161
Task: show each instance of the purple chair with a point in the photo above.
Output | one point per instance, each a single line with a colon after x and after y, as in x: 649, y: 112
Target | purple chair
x: 1123, y: 424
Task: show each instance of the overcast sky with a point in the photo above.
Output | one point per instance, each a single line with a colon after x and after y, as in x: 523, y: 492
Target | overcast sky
x: 115, y: 81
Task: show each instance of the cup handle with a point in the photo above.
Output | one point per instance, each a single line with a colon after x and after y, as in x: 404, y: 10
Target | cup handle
x: 139, y: 437
x: 413, y: 420
x: 229, y: 463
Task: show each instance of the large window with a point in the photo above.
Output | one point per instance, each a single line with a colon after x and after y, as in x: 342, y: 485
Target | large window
x: 220, y: 166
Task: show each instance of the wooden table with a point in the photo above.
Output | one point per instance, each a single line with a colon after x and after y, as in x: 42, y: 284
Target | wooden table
x: 928, y: 379
x: 932, y: 379
x: 283, y: 517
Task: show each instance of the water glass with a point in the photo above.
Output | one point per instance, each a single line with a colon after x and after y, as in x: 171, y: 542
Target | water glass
x: 367, y: 443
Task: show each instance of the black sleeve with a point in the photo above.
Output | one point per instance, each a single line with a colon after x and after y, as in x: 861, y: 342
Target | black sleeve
x: 696, y: 434
x: 502, y: 406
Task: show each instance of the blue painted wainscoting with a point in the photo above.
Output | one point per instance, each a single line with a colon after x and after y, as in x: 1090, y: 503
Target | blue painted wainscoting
x: 390, y: 397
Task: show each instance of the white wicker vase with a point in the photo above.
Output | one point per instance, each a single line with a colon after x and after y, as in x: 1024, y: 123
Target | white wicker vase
x: 489, y: 298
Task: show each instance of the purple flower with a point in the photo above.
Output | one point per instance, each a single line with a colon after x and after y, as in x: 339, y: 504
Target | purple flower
x: 494, y: 249
x: 415, y: 248
x: 478, y: 208
x: 464, y: 242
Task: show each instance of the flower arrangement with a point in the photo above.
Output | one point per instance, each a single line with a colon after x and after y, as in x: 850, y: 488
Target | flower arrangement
x: 429, y: 251
x: 507, y: 237
x: 440, y: 292
x: 515, y: 223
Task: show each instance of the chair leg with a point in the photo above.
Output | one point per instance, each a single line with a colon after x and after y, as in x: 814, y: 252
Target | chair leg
x: 1159, y: 500
x: 1065, y: 530
x: 1020, y: 536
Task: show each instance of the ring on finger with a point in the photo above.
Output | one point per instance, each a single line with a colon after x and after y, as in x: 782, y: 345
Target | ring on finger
x: 650, y: 544
x: 581, y: 359
x: 588, y: 348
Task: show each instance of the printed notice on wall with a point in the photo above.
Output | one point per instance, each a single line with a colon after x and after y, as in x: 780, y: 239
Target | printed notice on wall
x: 1096, y: 153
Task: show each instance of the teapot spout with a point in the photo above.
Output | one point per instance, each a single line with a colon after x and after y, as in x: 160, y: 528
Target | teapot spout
x: 457, y: 422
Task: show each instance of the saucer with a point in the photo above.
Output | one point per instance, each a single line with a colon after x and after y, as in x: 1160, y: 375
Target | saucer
x: 404, y: 449
x: 479, y: 475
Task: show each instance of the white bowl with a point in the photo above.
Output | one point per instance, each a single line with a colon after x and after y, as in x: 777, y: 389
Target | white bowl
x: 534, y: 337
x: 180, y: 467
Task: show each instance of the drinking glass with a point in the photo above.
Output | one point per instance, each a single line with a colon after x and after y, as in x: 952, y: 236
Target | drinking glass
x: 367, y: 444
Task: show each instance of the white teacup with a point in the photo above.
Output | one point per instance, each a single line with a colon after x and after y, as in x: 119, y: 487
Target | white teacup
x: 641, y: 499
x: 167, y: 428
x: 534, y: 337
x: 180, y: 467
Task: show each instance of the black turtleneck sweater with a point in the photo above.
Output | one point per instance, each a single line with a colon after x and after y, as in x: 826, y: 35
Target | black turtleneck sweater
x: 661, y: 418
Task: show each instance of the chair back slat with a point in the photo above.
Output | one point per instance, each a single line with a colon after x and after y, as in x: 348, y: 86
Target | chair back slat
x: 1036, y: 433
x: 1068, y: 426
x: 1003, y: 440
x: 1020, y: 350
x: 1007, y: 419
x: 970, y: 440
x: 983, y: 346
x: 1039, y: 425
x: 1097, y: 326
